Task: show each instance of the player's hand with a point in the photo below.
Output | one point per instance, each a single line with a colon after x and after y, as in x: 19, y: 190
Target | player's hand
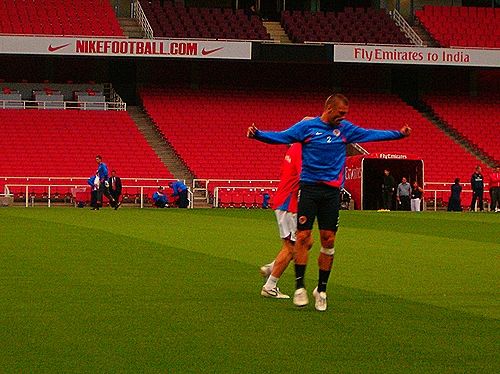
x: 106, y: 183
x: 405, y: 130
x: 251, y: 131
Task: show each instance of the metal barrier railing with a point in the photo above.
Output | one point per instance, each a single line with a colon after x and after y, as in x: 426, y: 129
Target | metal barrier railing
x: 30, y: 198
x: 140, y: 16
x: 203, y: 185
x: 406, y: 28
x: 76, y: 105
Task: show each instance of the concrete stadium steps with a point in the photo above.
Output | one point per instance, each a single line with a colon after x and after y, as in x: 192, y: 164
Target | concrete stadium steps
x: 160, y: 146
x: 276, y: 31
x: 131, y: 28
x: 428, y: 40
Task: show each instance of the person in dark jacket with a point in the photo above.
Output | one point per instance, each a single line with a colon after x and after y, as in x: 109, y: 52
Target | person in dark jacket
x: 115, y: 188
x: 477, y: 186
x: 455, y: 205
x: 388, y: 189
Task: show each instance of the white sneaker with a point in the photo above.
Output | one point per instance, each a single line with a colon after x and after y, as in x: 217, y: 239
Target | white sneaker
x: 273, y: 293
x: 320, y: 297
x: 300, y: 297
x: 266, y: 270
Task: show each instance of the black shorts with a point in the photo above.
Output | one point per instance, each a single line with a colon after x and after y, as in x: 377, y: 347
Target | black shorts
x: 318, y: 200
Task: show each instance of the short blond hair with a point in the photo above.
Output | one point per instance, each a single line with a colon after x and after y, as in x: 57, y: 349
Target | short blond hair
x: 333, y: 99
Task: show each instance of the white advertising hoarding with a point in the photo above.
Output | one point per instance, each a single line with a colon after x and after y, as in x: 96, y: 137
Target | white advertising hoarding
x: 114, y: 47
x: 373, y: 54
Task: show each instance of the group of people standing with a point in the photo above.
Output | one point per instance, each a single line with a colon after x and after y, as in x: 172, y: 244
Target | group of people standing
x: 111, y: 186
x: 408, y: 197
x: 477, y: 186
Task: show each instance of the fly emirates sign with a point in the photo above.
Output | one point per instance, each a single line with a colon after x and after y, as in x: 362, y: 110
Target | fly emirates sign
x: 125, y: 47
x: 416, y: 55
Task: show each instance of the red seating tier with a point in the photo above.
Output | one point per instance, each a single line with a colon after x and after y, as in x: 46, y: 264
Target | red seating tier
x: 176, y: 21
x: 462, y: 26
x: 59, y: 17
x: 358, y: 25
x: 207, y: 128
x: 476, y: 118
x: 64, y: 143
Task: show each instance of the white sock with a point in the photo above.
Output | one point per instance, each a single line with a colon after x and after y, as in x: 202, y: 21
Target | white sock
x: 271, y: 282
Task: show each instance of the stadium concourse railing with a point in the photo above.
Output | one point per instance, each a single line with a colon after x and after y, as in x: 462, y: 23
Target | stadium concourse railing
x: 206, y: 187
x: 78, y: 105
x: 30, y: 184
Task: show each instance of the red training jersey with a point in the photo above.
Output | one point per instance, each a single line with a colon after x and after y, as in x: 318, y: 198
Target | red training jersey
x: 288, y: 187
x: 494, y: 179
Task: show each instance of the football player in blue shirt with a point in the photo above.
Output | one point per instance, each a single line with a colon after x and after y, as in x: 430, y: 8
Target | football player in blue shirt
x: 324, y: 140
x: 102, y: 173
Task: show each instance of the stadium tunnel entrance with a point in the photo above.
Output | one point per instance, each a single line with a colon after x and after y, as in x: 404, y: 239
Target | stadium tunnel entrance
x: 364, y: 175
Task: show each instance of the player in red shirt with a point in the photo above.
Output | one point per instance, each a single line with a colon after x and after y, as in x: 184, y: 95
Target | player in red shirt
x: 285, y: 206
x: 495, y: 190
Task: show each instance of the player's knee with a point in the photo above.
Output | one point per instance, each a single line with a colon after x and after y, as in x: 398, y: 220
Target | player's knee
x: 328, y: 242
x: 327, y: 239
x: 304, y: 239
x: 303, y: 236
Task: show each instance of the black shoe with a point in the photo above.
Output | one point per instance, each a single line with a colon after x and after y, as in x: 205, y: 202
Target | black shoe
x: 117, y: 205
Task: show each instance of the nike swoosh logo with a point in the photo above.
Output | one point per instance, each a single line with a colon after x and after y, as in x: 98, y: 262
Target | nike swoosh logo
x: 205, y: 52
x: 53, y: 49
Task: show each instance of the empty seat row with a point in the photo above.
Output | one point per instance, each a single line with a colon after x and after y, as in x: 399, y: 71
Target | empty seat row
x: 245, y: 198
x: 181, y: 22
x: 352, y: 26
x: 59, y: 17
x: 461, y: 26
x: 64, y: 143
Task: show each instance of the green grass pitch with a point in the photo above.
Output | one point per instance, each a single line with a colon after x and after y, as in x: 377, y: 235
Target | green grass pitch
x: 177, y: 291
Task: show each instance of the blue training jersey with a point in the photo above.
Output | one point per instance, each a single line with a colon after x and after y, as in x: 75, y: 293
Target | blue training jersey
x: 324, y: 146
x: 102, y: 171
x: 178, y: 187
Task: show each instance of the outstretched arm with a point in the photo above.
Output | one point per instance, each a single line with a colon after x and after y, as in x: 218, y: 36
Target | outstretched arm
x: 361, y: 135
x: 294, y: 134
